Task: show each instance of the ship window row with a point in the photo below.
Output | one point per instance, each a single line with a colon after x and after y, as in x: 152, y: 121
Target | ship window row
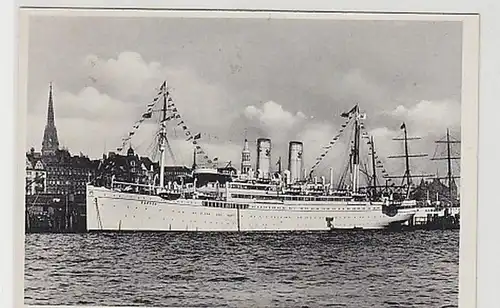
x: 310, y: 208
x: 291, y: 198
x: 51, y: 172
x: 252, y: 187
x: 314, y: 217
x: 224, y: 205
x: 315, y: 198
x: 53, y: 182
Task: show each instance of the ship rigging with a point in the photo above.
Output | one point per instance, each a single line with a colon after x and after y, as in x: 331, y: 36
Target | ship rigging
x: 217, y: 201
x: 451, y: 155
x: 406, y: 178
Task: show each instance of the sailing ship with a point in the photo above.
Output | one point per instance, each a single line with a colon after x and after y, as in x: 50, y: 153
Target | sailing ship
x: 251, y: 200
x: 444, y: 205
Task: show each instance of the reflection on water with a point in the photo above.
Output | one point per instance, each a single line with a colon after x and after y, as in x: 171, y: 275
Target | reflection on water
x: 338, y: 269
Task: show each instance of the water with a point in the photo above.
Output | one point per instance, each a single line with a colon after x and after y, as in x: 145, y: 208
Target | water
x: 346, y: 269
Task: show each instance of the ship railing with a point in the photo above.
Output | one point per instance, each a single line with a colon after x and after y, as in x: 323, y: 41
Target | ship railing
x: 148, y: 189
x: 121, y: 184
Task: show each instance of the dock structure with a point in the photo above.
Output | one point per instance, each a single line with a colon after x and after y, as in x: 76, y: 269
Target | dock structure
x: 55, y: 213
x: 436, y: 218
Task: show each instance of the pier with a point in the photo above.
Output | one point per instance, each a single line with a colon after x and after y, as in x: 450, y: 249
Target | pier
x: 53, y: 213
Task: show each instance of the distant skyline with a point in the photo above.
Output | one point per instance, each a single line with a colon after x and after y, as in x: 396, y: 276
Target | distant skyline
x: 282, y: 79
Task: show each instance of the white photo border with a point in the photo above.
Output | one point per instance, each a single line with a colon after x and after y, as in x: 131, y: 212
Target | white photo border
x: 470, y: 123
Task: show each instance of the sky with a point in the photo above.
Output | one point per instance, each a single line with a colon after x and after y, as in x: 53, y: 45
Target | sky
x: 279, y: 78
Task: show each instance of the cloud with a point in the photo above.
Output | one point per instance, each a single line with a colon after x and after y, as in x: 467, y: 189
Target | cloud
x: 430, y: 116
x: 274, y: 121
x: 428, y: 120
x: 272, y: 114
x: 90, y: 104
x: 131, y: 78
x: 117, y: 93
x: 101, y: 112
x: 127, y: 75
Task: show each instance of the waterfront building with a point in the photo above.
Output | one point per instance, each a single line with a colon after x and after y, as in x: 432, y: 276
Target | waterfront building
x: 132, y: 168
x: 62, y: 172
x: 435, y: 189
x: 36, y: 175
x: 125, y: 168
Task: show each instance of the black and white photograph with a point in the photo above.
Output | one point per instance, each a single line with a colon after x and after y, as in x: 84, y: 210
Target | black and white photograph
x: 244, y: 159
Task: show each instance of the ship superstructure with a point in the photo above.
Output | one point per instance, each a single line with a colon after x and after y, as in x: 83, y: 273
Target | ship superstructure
x: 250, y: 200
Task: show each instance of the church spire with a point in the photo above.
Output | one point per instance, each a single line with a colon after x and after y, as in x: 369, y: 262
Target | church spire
x: 50, y: 110
x: 50, y: 141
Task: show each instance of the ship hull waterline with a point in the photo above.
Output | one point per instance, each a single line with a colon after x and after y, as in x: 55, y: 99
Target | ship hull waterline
x: 109, y: 210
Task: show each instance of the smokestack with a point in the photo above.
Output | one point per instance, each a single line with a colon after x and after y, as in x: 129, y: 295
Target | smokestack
x: 264, y: 157
x: 295, y: 161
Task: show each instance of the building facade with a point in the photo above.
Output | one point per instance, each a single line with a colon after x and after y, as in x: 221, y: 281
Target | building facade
x: 62, y: 172
x: 36, y: 175
x: 131, y: 168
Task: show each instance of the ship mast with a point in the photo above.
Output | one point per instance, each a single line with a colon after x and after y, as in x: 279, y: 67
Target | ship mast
x: 449, y: 161
x: 355, y: 151
x: 163, y: 135
x: 449, y: 175
x: 407, y: 176
x: 374, y: 166
x: 407, y: 158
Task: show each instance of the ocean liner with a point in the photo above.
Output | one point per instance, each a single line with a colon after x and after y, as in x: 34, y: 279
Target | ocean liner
x: 251, y: 200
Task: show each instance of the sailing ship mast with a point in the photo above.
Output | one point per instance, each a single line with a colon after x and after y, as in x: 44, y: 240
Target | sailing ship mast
x: 163, y: 135
x: 355, y: 151
x: 374, y: 166
x: 407, y: 176
x: 449, y: 175
x: 353, y: 167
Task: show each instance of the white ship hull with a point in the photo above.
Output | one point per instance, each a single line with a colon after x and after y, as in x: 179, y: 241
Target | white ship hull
x: 109, y: 210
